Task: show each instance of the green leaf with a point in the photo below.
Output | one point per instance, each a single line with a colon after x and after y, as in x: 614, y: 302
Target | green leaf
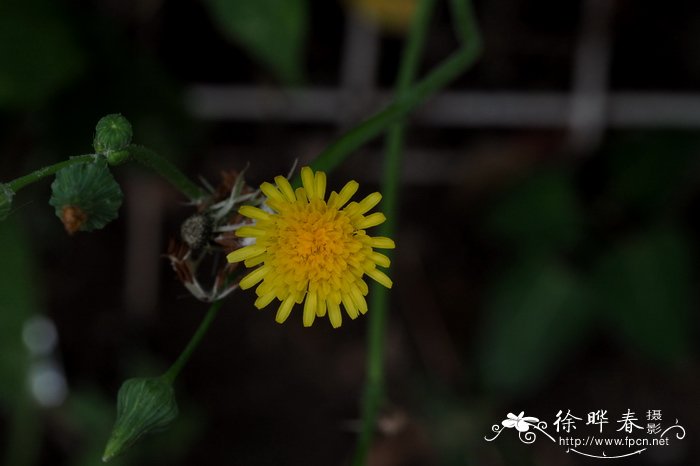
x: 645, y: 288
x: 535, y: 318
x: 38, y: 53
x: 273, y: 31
x: 86, y: 196
x: 541, y: 213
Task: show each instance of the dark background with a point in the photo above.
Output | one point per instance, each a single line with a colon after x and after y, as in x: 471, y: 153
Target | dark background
x: 545, y: 261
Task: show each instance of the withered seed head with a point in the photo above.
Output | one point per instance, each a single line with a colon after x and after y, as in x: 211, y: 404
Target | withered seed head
x: 196, y: 231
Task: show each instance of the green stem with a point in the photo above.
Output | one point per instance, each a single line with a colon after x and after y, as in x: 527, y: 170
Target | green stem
x: 374, y: 384
x: 167, y: 170
x: 464, y: 24
x: 19, y: 183
x: 406, y: 99
x: 177, y: 366
x: 450, y: 69
x: 141, y: 154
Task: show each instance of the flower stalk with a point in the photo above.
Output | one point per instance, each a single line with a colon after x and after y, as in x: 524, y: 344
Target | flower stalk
x: 19, y: 183
x: 403, y: 104
x: 112, y: 143
x: 147, y: 405
x: 192, y: 345
x: 167, y: 170
x: 405, y: 95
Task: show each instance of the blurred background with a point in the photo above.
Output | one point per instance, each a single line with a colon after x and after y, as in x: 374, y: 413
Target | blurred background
x: 547, y: 255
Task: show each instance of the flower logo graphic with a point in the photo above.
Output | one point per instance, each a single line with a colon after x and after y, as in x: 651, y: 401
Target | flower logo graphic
x: 520, y: 422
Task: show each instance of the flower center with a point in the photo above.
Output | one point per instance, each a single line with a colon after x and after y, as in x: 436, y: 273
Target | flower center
x: 312, y: 243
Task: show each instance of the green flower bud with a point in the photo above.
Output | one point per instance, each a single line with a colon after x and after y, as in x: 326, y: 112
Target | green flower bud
x: 144, y: 405
x: 86, y: 196
x: 6, y: 195
x: 118, y: 157
x: 112, y: 133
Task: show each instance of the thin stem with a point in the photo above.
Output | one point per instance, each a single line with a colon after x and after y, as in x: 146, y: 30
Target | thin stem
x: 19, y: 183
x: 374, y: 385
x: 141, y: 154
x: 406, y: 99
x: 167, y: 170
x: 450, y: 69
x: 464, y: 24
x: 177, y: 366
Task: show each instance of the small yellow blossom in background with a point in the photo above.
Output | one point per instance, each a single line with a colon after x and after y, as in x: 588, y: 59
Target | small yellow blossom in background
x: 393, y: 16
x: 311, y: 250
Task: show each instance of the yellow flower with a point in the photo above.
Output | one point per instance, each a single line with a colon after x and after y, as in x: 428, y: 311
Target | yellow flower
x: 392, y: 15
x: 311, y: 250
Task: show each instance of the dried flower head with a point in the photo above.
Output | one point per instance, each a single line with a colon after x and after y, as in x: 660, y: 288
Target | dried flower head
x: 310, y: 250
x: 207, y: 235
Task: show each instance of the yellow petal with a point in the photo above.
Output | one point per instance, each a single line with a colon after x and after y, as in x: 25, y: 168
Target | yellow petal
x: 335, y: 297
x: 309, y: 309
x: 285, y: 309
x: 381, y: 242
x: 359, y: 301
x: 277, y: 205
x: 362, y: 285
x: 285, y: 187
x: 250, y: 232
x: 253, y: 212
x: 267, y: 286
x: 245, y: 253
x: 253, y: 261
x: 380, y: 277
x: 334, y: 314
x: 333, y: 200
x: 346, y: 193
x: 321, y: 307
x: 320, y: 184
x: 349, y: 306
x: 270, y: 191
x: 300, y: 195
x: 367, y: 203
x: 380, y: 259
x: 370, y: 221
x: 307, y: 180
x: 264, y: 300
x: 254, y: 277
x: 299, y: 296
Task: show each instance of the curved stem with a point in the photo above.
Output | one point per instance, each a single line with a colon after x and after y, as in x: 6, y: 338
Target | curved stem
x: 406, y: 99
x: 170, y: 375
x: 19, y: 183
x: 450, y: 69
x: 141, y: 154
x: 167, y: 170
x: 374, y: 384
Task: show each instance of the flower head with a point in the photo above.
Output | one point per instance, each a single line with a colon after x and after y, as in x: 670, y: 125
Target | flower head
x: 209, y: 233
x: 312, y: 250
